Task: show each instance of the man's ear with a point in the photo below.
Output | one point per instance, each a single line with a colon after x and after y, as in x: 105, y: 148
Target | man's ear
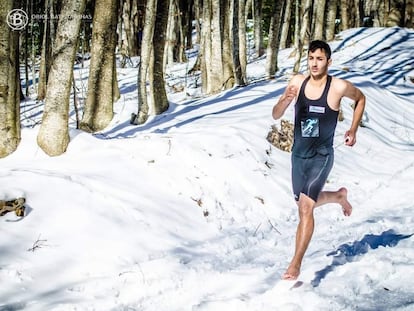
x: 329, y: 61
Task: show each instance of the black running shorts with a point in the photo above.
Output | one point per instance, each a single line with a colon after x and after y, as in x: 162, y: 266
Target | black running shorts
x: 309, y: 175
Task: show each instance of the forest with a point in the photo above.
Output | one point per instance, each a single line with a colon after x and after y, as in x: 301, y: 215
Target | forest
x: 41, y: 41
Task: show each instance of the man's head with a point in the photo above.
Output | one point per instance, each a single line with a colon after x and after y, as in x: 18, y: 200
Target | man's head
x: 319, y: 44
x: 319, y: 58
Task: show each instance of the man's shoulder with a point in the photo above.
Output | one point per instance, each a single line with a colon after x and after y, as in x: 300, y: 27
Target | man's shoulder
x: 339, y: 85
x: 297, y: 79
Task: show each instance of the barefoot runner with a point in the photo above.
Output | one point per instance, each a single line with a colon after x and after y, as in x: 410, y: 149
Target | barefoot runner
x: 318, y: 97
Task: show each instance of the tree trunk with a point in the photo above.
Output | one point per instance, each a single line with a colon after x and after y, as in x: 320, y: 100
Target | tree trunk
x: 171, y: 33
x: 157, y: 82
x: 242, y: 40
x: 98, y: 110
x: 286, y: 24
x: 409, y: 14
x: 188, y: 19
x: 53, y: 135
x: 144, y: 65
x: 238, y: 73
x: 228, y: 73
x: 273, y: 45
x: 303, y: 34
x: 211, y: 60
x: 216, y: 61
x: 330, y: 20
x: 319, y: 16
x: 130, y: 18
x: 258, y: 35
x: 9, y: 84
x: 344, y: 14
x: 45, y: 56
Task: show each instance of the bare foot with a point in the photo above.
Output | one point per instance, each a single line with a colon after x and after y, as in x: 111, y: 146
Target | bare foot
x: 291, y: 274
x: 346, y: 206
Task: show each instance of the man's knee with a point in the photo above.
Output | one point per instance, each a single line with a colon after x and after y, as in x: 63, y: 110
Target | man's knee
x: 306, y: 205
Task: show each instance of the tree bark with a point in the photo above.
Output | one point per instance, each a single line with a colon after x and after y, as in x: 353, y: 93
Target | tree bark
x: 45, y: 55
x: 228, y: 73
x: 98, y: 110
x: 330, y: 20
x: 303, y: 34
x: 273, y: 45
x: 53, y: 136
x: 238, y: 72
x: 286, y: 24
x: 158, y: 93
x: 9, y: 84
x: 144, y: 65
x: 344, y: 14
x: 242, y: 39
x: 319, y: 16
x: 258, y: 35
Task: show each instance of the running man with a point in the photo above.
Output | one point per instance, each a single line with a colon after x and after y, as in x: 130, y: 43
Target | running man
x: 318, y: 98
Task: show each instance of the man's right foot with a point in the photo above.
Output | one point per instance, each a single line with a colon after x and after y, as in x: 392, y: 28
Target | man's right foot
x: 346, y: 206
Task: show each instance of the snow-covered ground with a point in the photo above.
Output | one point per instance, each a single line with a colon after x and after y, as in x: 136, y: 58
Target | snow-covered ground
x: 194, y: 211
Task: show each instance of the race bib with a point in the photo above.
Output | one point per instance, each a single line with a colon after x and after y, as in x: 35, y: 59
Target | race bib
x: 317, y: 109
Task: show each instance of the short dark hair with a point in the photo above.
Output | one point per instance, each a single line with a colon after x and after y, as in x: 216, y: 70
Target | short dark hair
x: 319, y: 44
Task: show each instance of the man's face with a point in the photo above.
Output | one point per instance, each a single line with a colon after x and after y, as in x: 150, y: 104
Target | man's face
x: 318, y: 63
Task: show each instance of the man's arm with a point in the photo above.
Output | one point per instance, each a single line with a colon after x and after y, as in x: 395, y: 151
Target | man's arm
x: 355, y: 94
x: 287, y: 97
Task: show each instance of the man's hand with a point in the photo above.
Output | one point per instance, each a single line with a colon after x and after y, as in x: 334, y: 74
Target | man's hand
x: 290, y: 93
x: 284, y: 101
x: 350, y: 138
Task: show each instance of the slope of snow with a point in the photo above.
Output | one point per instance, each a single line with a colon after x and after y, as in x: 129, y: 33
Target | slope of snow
x: 193, y: 210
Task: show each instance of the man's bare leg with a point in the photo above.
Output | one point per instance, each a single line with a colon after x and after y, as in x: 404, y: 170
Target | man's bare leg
x: 306, y: 224
x: 340, y: 197
x: 303, y: 236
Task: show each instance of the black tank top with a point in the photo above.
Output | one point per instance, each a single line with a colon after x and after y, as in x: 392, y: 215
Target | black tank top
x: 315, y: 123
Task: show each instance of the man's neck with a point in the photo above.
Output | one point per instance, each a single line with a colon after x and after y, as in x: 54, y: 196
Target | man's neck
x: 318, y: 81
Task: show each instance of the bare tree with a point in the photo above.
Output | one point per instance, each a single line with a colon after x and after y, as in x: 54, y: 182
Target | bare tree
x: 226, y: 17
x: 158, y: 94
x: 304, y: 32
x: 319, y: 18
x: 144, y: 65
x: 273, y: 45
x: 331, y: 19
x: 345, y: 9
x: 286, y: 24
x: 9, y: 84
x: 242, y: 38
x: 258, y: 27
x: 151, y: 67
x: 98, y: 110
x: 409, y: 14
x: 211, y: 60
x: 45, y: 54
x: 53, y: 136
x: 237, y: 14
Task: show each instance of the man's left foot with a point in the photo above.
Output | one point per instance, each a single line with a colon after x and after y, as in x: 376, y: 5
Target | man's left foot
x: 291, y: 274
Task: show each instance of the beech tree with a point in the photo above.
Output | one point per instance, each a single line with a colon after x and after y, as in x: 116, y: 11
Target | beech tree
x: 152, y: 99
x: 102, y: 82
x: 9, y: 84
x: 53, y: 136
x: 273, y: 45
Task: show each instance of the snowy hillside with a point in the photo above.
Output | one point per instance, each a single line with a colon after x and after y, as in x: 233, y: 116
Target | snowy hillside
x: 194, y: 211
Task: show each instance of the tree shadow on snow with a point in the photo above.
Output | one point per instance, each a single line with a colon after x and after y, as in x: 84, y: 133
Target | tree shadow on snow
x: 349, y: 252
x: 191, y: 111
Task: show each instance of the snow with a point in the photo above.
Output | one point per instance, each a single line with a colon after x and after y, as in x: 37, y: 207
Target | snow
x: 193, y: 210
